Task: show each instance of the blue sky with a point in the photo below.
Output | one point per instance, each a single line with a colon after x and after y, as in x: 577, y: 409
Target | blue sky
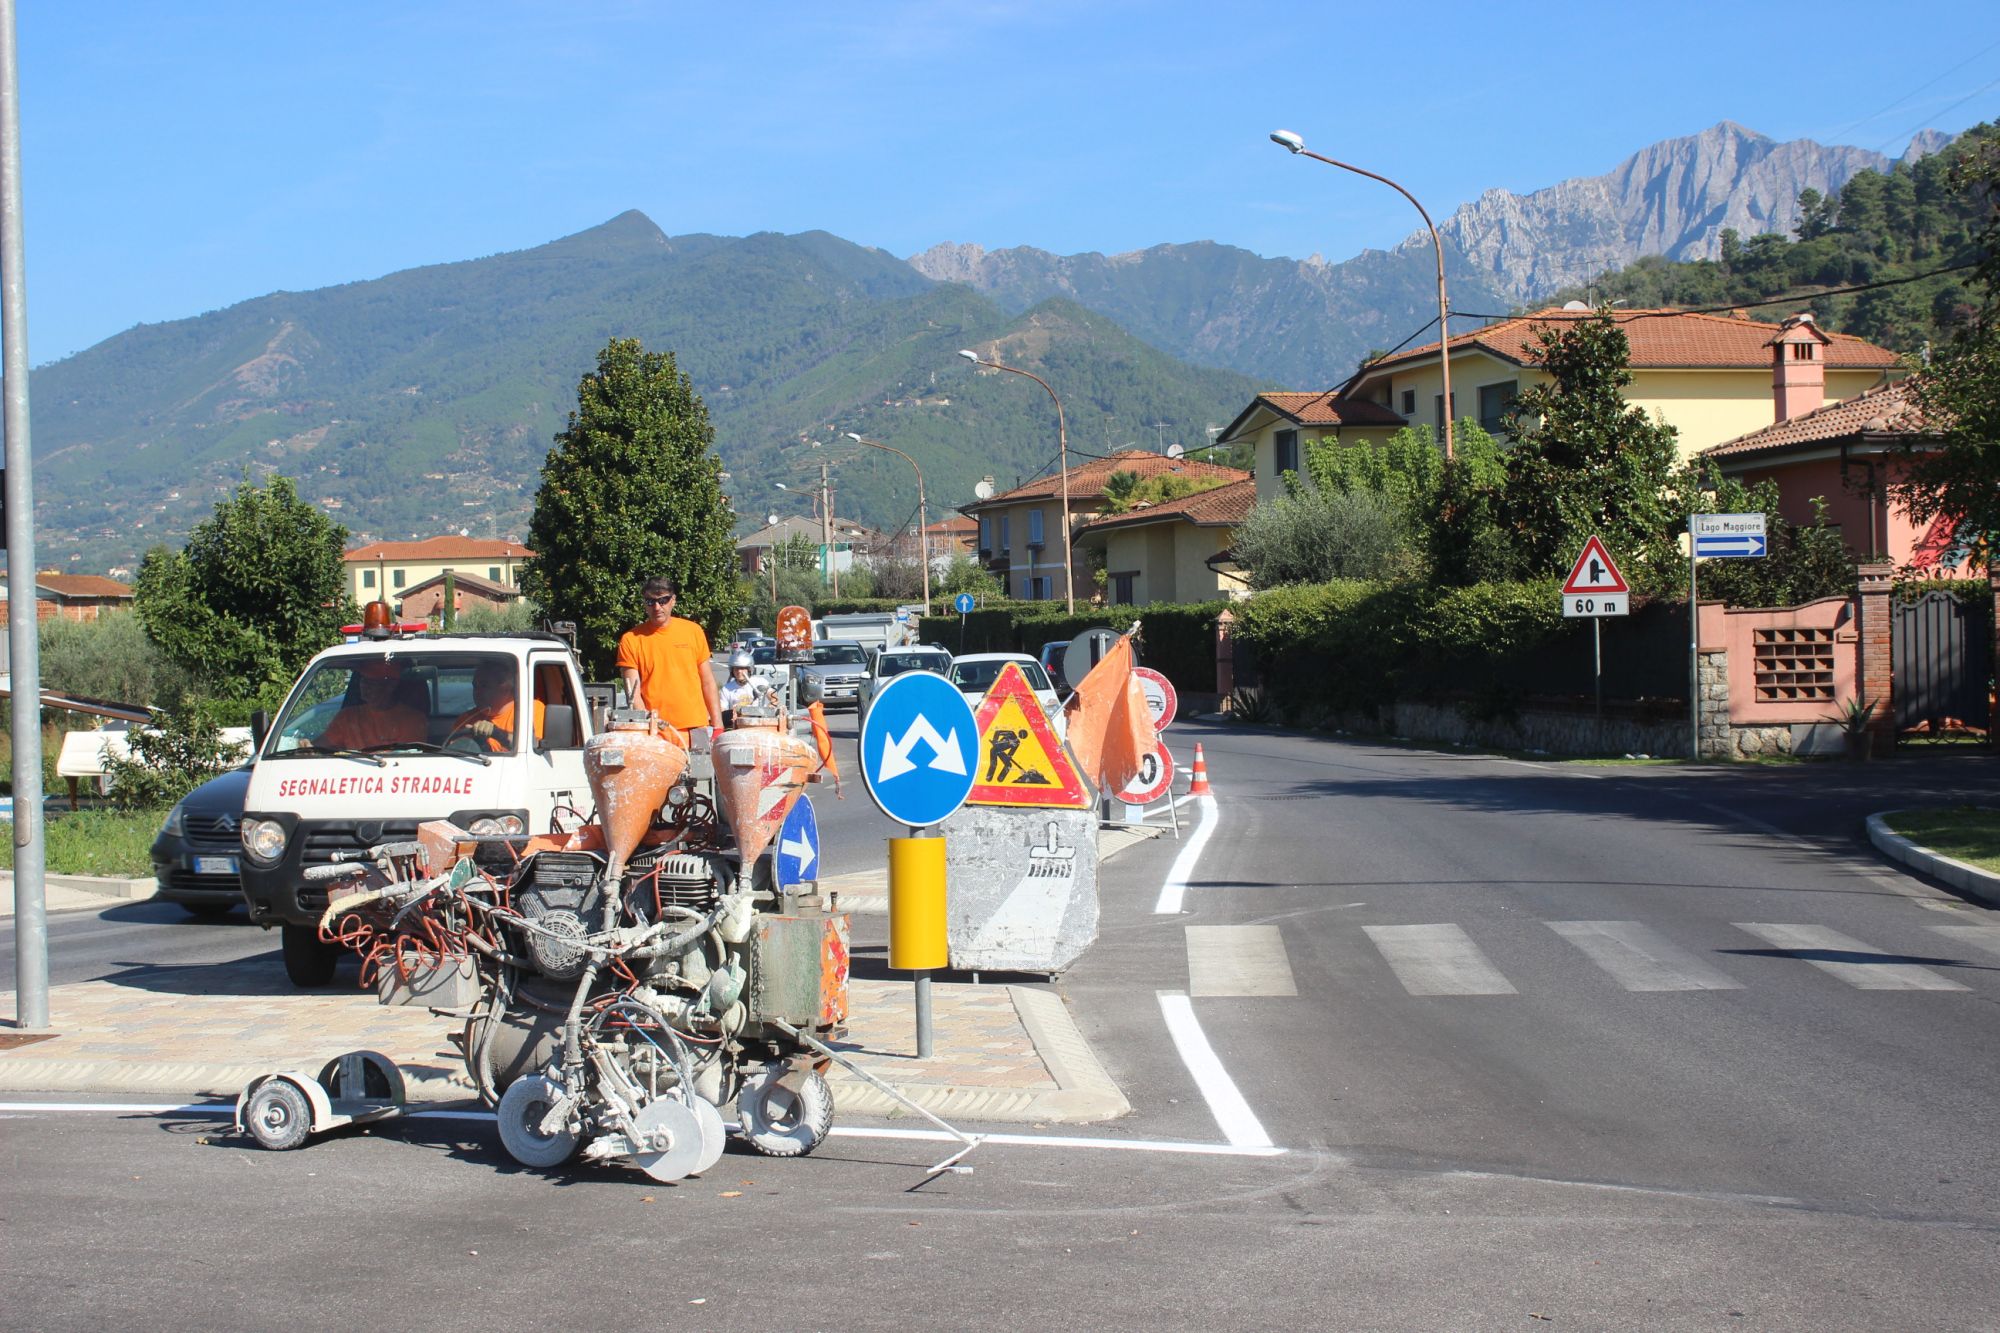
x: 180, y: 158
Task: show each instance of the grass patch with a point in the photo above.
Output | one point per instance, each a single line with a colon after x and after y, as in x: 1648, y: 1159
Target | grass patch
x: 1968, y: 833
x: 96, y: 842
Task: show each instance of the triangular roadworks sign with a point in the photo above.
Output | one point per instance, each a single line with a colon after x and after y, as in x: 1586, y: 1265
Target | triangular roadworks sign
x: 1021, y: 759
x: 1594, y: 571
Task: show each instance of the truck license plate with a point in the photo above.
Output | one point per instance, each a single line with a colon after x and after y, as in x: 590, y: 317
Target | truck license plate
x: 215, y: 865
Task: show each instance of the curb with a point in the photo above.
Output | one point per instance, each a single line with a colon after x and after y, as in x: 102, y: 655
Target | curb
x: 1983, y: 886
x: 104, y: 886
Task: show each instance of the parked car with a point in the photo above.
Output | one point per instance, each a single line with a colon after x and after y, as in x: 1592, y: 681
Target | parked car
x: 839, y: 666
x: 892, y: 662
x: 195, y: 855
x: 1052, y: 662
x: 975, y: 673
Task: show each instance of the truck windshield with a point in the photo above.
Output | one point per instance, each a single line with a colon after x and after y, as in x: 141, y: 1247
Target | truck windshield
x: 400, y: 700
x: 838, y: 654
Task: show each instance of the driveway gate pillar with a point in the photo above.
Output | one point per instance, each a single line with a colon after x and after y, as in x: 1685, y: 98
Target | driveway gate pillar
x: 1871, y: 677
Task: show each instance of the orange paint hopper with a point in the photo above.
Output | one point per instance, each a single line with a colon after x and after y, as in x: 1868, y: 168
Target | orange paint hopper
x: 760, y: 769
x: 630, y: 768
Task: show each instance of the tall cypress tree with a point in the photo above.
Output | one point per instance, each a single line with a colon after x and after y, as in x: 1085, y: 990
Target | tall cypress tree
x: 631, y: 490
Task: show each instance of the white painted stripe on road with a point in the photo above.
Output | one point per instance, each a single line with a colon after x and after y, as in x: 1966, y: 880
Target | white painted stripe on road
x: 1175, y: 889
x: 1862, y: 966
x: 223, y: 1109
x: 1232, y: 1114
x: 1238, y: 960
x: 1979, y: 937
x: 1639, y: 958
x: 1438, y: 960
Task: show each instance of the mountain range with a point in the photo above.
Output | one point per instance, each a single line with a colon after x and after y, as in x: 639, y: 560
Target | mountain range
x: 425, y: 400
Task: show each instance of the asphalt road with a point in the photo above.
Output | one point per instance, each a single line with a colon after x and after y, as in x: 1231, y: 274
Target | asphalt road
x: 1597, y: 1047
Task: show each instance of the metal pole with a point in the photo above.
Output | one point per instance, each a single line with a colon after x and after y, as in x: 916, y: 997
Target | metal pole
x: 1694, y: 654
x: 31, y: 922
x: 1062, y: 451
x: 1597, y: 663
x: 831, y: 562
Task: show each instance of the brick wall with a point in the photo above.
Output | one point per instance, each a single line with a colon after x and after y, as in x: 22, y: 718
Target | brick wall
x: 1871, y: 677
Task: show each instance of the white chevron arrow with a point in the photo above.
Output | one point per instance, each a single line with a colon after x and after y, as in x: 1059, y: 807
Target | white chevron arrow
x: 944, y: 750
x: 801, y: 849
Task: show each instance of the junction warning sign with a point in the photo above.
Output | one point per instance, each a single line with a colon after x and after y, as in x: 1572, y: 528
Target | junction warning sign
x: 1021, y: 759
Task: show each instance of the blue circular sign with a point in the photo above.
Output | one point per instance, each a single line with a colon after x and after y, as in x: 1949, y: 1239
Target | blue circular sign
x: 964, y: 603
x: 919, y: 749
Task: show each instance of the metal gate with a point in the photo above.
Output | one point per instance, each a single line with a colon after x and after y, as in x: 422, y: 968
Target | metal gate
x: 1941, y: 654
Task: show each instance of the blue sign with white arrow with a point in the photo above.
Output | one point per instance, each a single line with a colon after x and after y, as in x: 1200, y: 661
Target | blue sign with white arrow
x: 1741, y: 546
x: 798, y: 845
x: 919, y: 749
x: 964, y: 603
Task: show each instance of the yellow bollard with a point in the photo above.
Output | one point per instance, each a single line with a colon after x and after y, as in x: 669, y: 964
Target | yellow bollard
x: 916, y: 904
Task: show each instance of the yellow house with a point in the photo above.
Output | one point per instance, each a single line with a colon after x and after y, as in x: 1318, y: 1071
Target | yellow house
x: 1021, y: 531
x: 1173, y: 551
x: 1711, y: 377
x: 385, y: 570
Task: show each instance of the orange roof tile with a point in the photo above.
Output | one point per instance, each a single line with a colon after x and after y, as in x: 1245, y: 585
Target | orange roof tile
x: 1326, y: 409
x: 1889, y: 410
x: 1660, y: 339
x: 83, y: 585
x: 1086, y: 482
x: 1221, y: 507
x: 437, y: 548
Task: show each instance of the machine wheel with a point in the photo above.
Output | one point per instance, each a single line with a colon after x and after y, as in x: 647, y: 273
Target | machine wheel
x: 779, y: 1122
x: 279, y: 1117
x: 520, y: 1115
x: 309, y: 960
x: 381, y: 1081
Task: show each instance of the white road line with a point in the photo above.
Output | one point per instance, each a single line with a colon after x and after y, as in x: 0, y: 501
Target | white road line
x: 1979, y: 937
x: 1438, y: 960
x: 1238, y: 960
x: 1854, y: 965
x: 1232, y: 1114
x: 1639, y: 958
x: 1175, y: 889
x: 223, y: 1109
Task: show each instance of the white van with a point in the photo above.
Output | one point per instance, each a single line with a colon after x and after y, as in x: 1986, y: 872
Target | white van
x: 327, y: 788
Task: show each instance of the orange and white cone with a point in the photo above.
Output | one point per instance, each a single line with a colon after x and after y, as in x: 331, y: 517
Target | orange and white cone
x: 1199, y: 787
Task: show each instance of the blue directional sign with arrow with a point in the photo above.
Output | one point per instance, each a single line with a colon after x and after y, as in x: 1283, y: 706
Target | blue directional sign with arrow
x: 919, y: 749
x: 798, y: 845
x: 1730, y: 536
x: 964, y: 603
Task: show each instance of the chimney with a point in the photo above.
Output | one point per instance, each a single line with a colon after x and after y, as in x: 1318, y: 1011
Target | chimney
x: 1798, y: 368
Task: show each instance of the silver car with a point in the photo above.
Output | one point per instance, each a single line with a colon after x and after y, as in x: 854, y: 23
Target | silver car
x: 840, y: 665
x: 892, y: 662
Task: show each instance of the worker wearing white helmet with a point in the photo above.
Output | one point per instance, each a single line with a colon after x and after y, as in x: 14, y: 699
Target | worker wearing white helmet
x: 740, y: 688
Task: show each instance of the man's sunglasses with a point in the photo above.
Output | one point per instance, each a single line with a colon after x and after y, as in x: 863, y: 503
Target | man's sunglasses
x: 660, y: 601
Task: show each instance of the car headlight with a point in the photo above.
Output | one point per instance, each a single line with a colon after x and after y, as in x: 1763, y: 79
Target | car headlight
x: 496, y: 826
x: 176, y: 825
x: 264, y: 840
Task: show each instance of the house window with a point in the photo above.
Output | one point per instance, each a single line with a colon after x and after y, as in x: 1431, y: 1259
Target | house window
x: 1122, y: 587
x: 1494, y: 400
x: 1038, y: 588
x: 1409, y: 402
x: 1286, y: 443
x: 1035, y: 527
x: 493, y: 573
x: 1006, y: 532
x: 1437, y: 410
x: 986, y: 532
x: 395, y: 578
x: 367, y: 578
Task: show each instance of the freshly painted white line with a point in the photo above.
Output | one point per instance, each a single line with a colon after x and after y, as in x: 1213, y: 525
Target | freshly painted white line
x: 135, y: 1108
x: 1175, y: 889
x: 1852, y: 963
x: 1438, y: 960
x: 1639, y: 958
x: 1238, y: 960
x: 1232, y: 1114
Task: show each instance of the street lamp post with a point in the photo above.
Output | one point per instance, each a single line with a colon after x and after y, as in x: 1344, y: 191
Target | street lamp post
x: 1292, y: 142
x: 1062, y: 450
x: 923, y: 553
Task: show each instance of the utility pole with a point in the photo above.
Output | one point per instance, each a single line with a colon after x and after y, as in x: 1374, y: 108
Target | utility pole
x: 826, y: 528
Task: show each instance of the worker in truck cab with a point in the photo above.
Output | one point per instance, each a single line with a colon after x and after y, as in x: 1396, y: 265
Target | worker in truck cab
x: 664, y: 662
x: 491, y: 719
x: 379, y: 715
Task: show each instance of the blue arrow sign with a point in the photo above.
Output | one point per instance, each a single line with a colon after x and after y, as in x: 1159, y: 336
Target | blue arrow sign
x: 798, y: 845
x: 964, y: 603
x: 1735, y: 545
x: 919, y: 749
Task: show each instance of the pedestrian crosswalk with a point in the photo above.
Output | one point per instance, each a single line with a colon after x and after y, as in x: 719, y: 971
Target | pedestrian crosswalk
x: 1443, y: 959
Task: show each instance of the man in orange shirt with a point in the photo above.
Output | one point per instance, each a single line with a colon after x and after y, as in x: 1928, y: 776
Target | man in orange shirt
x: 491, y: 718
x: 376, y: 718
x: 664, y: 663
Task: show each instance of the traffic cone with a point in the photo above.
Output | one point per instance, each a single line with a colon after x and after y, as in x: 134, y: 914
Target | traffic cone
x: 1199, y: 787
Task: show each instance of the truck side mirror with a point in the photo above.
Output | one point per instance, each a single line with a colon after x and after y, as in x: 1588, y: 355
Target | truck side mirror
x: 260, y: 727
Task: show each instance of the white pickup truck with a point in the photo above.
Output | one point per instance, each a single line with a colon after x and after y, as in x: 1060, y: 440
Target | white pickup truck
x: 326, y: 788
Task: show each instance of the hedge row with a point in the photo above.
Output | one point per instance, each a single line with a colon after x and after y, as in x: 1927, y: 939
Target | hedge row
x: 1175, y: 639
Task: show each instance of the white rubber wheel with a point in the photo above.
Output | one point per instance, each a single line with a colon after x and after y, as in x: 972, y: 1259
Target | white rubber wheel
x: 381, y: 1080
x: 279, y: 1117
x: 520, y: 1115
x: 714, y: 1138
x: 779, y: 1122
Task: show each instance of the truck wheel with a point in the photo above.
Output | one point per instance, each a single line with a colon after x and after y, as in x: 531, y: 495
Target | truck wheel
x: 309, y: 961
x: 780, y: 1123
x: 278, y: 1116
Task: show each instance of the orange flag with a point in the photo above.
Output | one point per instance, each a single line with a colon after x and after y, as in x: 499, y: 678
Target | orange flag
x: 1110, y: 727
x: 823, y: 742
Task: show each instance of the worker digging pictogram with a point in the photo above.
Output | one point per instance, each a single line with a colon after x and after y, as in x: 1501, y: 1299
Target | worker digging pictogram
x: 1022, y: 761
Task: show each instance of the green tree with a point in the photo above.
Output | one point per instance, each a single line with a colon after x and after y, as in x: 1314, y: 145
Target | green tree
x: 631, y: 491
x: 258, y: 590
x: 1585, y: 461
x: 964, y: 574
x: 178, y: 751
x: 1312, y: 536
